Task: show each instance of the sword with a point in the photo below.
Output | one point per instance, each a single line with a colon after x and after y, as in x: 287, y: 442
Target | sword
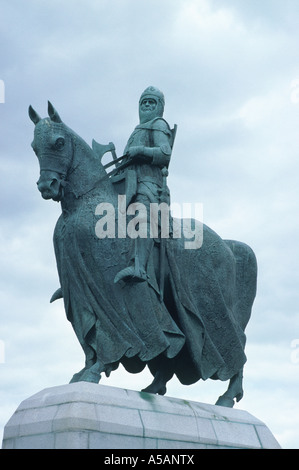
x: 163, y: 198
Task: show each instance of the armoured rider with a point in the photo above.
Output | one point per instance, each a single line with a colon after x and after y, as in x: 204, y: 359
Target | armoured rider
x: 148, y: 153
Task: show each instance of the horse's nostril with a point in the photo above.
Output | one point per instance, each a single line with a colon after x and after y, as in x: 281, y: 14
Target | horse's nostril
x: 49, y: 187
x: 54, y: 184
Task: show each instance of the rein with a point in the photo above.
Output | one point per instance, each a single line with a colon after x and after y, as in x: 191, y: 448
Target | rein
x: 65, y: 173
x: 64, y: 179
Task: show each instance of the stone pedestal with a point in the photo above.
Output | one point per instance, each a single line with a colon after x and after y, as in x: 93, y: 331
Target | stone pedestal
x: 91, y: 416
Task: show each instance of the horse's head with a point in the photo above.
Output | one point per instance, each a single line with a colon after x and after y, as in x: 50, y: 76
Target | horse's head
x: 53, y: 146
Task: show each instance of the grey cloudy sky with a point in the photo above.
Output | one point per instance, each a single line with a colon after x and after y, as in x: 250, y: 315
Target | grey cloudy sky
x: 229, y: 70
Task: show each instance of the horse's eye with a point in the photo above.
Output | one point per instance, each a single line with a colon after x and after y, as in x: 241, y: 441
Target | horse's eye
x: 59, y: 144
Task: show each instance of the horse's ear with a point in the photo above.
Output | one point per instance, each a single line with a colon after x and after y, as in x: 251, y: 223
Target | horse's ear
x: 33, y: 115
x: 53, y: 114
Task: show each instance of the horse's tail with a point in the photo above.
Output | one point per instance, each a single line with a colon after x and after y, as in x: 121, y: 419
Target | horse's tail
x: 246, y: 280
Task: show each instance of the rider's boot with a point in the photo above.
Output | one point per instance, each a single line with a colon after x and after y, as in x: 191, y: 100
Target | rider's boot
x: 137, y: 272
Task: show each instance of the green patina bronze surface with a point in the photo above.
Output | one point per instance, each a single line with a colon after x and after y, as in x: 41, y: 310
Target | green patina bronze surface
x: 144, y: 301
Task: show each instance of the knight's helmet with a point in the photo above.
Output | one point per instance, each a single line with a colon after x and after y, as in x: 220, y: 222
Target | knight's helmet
x: 157, y: 95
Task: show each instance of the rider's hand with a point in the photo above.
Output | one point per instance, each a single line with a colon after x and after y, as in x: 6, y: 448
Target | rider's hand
x: 137, y: 153
x: 135, y: 150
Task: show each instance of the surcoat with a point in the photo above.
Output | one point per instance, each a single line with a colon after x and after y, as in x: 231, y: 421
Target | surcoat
x: 143, y: 179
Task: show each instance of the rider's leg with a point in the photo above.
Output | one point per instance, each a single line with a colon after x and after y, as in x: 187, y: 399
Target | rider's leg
x: 137, y: 271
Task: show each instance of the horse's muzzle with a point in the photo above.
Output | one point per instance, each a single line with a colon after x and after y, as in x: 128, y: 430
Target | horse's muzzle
x: 50, y: 187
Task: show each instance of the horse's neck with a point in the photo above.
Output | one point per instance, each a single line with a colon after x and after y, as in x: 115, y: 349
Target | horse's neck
x: 86, y: 174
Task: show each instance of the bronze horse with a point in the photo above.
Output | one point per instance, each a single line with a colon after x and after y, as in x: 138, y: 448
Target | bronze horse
x: 196, y: 332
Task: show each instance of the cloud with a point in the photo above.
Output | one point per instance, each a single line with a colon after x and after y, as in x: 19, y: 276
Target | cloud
x: 229, y: 71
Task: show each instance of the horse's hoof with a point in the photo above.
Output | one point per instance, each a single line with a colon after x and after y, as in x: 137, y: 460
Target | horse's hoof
x: 155, y: 390
x: 91, y: 374
x: 225, y: 401
x: 88, y: 374
x: 76, y: 377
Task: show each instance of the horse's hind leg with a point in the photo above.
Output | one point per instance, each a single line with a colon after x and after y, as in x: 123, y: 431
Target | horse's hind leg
x: 234, y: 391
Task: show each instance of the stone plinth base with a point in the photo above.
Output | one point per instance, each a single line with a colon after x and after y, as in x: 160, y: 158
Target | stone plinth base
x: 90, y: 416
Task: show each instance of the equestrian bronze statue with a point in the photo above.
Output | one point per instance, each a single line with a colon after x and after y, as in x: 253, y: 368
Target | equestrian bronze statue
x: 135, y: 293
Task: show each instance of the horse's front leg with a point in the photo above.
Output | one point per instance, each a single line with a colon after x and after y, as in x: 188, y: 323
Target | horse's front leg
x: 164, y: 372
x: 89, y: 374
x: 234, y: 391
